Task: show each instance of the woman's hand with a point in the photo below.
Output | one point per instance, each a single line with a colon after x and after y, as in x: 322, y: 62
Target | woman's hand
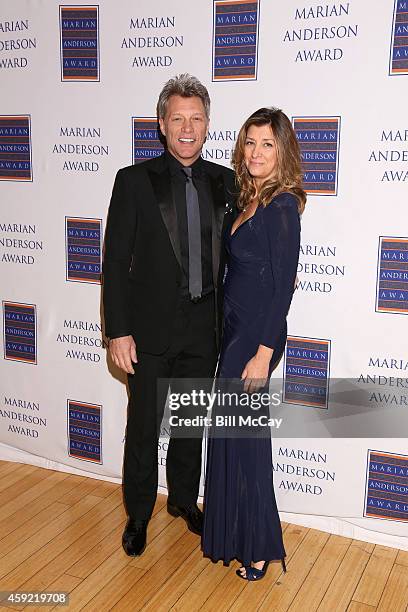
x: 256, y: 371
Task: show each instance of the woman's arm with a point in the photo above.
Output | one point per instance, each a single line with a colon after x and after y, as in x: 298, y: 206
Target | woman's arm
x: 283, y: 230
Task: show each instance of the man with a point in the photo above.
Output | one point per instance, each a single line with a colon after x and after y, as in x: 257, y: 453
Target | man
x: 161, y: 264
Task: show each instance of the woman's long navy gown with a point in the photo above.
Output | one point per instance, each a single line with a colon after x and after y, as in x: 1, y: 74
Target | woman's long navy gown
x: 240, y: 515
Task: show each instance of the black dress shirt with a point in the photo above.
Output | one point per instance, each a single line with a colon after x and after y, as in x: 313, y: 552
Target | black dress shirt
x: 178, y: 186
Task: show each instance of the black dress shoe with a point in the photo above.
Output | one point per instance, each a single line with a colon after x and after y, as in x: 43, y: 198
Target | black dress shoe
x: 191, y: 514
x: 134, y: 537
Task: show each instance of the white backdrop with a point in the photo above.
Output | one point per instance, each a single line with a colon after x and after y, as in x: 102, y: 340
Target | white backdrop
x: 67, y: 123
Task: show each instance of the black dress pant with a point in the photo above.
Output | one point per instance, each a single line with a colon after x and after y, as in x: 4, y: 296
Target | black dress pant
x: 192, y: 354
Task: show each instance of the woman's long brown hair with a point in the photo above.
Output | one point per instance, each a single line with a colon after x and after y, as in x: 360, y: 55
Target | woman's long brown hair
x: 288, y: 175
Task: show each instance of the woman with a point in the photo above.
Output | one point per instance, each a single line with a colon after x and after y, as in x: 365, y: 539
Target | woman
x: 262, y: 243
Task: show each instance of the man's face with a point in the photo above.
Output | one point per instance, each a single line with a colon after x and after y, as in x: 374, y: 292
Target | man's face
x: 185, y: 127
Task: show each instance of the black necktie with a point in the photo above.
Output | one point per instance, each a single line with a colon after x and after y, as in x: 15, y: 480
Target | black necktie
x: 195, y: 276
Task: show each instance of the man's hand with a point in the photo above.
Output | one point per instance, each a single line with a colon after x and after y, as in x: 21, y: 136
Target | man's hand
x: 123, y: 352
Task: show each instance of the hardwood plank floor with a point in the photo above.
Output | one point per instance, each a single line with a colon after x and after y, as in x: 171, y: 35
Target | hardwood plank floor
x: 63, y: 532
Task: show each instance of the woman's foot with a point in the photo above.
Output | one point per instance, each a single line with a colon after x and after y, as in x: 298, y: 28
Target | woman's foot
x: 258, y: 565
x: 256, y: 571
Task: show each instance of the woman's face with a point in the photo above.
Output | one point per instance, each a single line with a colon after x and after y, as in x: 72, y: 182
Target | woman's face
x: 260, y: 153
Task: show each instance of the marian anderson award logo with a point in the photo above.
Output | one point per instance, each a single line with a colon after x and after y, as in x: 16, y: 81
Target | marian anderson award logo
x: 235, y: 40
x: 84, y: 431
x: 319, y: 149
x: 20, y: 332
x: 83, y: 249
x: 399, y: 39
x: 306, y: 372
x: 386, y: 486
x: 392, y: 275
x: 145, y: 139
x: 79, y: 33
x: 15, y: 148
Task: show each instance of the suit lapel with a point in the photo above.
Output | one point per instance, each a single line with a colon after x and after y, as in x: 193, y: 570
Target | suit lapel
x: 161, y: 183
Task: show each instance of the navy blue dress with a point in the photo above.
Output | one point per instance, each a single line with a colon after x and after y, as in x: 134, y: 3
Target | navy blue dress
x: 241, y: 519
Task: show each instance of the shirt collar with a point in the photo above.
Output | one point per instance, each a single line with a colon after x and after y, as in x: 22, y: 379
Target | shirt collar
x: 175, y: 166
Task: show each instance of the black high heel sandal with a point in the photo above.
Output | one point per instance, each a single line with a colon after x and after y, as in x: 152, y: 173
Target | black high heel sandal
x: 252, y: 573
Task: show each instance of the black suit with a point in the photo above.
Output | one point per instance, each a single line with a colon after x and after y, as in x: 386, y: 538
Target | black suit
x: 174, y: 337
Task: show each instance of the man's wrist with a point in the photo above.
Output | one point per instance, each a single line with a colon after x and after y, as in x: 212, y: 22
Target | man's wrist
x: 119, y: 335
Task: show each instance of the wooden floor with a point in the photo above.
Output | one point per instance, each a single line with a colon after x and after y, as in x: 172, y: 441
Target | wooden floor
x: 60, y: 532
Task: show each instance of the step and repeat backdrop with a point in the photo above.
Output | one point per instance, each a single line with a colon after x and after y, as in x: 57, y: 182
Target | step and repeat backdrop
x: 79, y: 85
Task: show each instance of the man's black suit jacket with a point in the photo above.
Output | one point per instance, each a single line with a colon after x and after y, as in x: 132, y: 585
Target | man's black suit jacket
x: 142, y: 269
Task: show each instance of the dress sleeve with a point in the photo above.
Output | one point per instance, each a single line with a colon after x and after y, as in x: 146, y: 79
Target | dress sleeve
x: 282, y: 224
